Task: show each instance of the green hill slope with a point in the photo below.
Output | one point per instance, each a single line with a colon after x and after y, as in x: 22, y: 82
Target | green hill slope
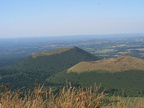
x: 39, y: 66
x: 124, y: 74
x: 131, y: 82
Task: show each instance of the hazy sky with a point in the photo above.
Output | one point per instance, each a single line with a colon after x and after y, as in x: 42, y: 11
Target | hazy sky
x: 25, y: 18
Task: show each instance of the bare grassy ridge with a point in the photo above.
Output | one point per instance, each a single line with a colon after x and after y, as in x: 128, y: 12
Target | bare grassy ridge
x: 118, y: 64
x: 68, y: 97
x: 47, y: 53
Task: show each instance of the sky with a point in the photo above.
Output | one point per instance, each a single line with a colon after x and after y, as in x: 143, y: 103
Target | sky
x: 35, y: 18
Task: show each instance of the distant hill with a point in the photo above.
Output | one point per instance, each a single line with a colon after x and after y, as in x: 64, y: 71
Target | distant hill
x: 39, y: 66
x: 54, y: 61
x: 118, y: 64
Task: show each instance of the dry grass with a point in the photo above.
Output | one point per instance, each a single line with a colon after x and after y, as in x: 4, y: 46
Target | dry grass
x: 68, y: 97
x: 126, y: 102
x: 118, y: 64
x: 47, y: 53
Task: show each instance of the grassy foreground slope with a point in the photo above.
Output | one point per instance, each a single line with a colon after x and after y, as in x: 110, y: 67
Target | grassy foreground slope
x: 67, y: 97
x: 39, y: 66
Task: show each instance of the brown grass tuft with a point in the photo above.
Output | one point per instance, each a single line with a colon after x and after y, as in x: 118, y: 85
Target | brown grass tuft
x: 67, y: 97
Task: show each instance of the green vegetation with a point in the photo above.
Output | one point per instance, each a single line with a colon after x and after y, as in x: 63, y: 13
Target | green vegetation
x: 37, y: 69
x: 50, y: 67
x: 128, y: 83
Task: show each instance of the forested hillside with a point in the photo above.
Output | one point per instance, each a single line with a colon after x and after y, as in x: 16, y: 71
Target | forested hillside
x: 116, y: 75
x: 39, y: 66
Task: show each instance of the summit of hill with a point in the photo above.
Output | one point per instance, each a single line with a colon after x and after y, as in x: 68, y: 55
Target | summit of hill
x: 117, y: 64
x: 52, y: 52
